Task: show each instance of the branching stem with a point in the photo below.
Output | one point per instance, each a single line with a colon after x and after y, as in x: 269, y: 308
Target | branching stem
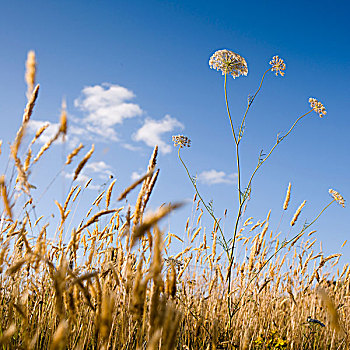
x: 226, y: 248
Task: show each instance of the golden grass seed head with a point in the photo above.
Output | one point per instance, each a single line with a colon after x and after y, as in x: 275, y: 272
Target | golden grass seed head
x: 30, y: 105
x: 47, y: 145
x: 228, y: 62
x: 255, y: 226
x: 70, y: 194
x: 63, y: 119
x: 286, y: 201
x: 4, y: 196
x: 248, y: 221
x: 153, y: 160
x: 150, y: 188
x: 172, y: 281
x: 135, y: 184
x: 30, y: 72
x: 87, y: 183
x: 152, y: 219
x: 83, y: 162
x: 109, y: 193
x: 73, y: 153
x: 27, y: 160
x: 98, y: 199
x: 196, y: 233
x: 297, y: 213
x: 40, y: 131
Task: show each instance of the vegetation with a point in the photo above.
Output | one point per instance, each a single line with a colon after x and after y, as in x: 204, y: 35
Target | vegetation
x: 115, y: 285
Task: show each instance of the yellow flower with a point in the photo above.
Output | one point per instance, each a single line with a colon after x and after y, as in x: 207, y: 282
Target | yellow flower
x: 280, y: 343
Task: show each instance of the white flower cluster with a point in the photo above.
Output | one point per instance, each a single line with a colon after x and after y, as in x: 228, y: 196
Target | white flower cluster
x: 229, y: 63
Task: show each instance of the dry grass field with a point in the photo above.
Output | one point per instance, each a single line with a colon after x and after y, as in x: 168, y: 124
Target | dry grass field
x: 116, y: 283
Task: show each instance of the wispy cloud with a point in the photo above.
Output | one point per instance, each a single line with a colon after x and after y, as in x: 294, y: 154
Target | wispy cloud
x: 152, y: 131
x: 213, y: 177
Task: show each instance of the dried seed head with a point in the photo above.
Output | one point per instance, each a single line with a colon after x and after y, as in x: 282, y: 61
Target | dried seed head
x: 296, y: 215
x: 30, y: 72
x: 172, y: 281
x: 132, y: 186
x: 278, y: 65
x: 63, y: 121
x: 286, y: 201
x: 5, y: 198
x: 181, y: 141
x: 30, y: 105
x: 73, y: 154
x: 337, y: 197
x: 229, y: 63
x: 39, y: 132
x: 109, y: 193
x: 27, y: 161
x: 83, y: 162
x: 318, y: 107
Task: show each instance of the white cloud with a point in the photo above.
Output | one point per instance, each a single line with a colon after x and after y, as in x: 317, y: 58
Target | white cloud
x: 152, y: 131
x: 135, y: 175
x: 105, y: 106
x: 131, y: 147
x: 93, y: 170
x: 213, y: 177
x: 99, y: 167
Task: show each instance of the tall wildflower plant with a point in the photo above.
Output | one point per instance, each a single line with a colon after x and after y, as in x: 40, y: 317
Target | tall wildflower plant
x: 232, y: 64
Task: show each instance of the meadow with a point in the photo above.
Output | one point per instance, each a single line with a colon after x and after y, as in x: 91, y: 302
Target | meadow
x: 115, y: 280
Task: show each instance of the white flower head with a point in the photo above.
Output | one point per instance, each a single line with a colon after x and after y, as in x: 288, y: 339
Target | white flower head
x: 229, y: 63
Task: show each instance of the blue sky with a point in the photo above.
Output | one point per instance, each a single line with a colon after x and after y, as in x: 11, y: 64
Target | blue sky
x: 135, y: 73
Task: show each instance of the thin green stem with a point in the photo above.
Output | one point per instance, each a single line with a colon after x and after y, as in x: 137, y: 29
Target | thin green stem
x: 231, y: 260
x: 236, y: 143
x: 241, y: 202
x: 226, y: 248
x: 240, y: 135
x: 241, y: 199
x: 283, y: 245
x: 228, y: 110
x: 272, y: 149
x: 269, y: 154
